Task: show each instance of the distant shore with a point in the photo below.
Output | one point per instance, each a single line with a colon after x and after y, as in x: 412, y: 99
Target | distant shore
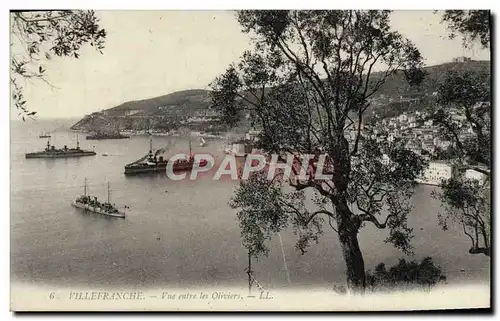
x: 158, y: 133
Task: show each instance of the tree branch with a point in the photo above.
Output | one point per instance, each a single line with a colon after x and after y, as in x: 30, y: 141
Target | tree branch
x: 330, y: 214
x: 368, y: 217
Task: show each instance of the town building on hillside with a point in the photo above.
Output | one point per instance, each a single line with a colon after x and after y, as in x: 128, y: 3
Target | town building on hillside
x: 458, y: 117
x: 428, y: 145
x: 132, y: 112
x: 428, y: 123
x: 436, y: 172
x: 473, y: 174
x: 441, y: 143
x: 252, y: 135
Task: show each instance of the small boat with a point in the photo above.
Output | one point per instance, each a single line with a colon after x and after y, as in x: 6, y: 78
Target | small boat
x: 91, y: 204
x: 105, y: 154
x: 45, y: 135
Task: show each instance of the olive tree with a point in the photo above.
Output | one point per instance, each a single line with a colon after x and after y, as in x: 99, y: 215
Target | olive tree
x: 307, y: 82
x: 39, y: 35
x: 467, y: 201
x: 473, y: 25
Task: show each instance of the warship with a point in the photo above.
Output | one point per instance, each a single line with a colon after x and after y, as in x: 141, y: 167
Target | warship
x: 106, y: 135
x: 91, y: 204
x: 52, y: 152
x: 152, y: 163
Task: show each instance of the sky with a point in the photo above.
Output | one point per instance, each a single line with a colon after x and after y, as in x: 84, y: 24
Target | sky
x: 153, y: 53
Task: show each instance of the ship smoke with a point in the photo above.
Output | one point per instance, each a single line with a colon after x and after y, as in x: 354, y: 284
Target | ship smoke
x: 161, y: 151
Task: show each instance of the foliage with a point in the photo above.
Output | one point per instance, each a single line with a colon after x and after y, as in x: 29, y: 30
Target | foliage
x: 307, y: 82
x: 470, y: 93
x: 469, y: 90
x: 448, y: 153
x: 229, y: 85
x: 405, y: 275
x: 38, y: 35
x: 465, y: 203
x: 264, y: 209
x: 473, y: 25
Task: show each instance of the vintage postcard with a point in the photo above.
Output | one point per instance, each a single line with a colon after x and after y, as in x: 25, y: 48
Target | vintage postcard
x: 288, y: 160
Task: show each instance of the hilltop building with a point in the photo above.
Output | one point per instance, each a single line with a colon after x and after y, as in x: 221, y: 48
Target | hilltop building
x: 461, y: 59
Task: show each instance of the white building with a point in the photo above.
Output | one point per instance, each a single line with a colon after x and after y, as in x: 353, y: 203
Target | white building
x: 252, y: 135
x: 428, y: 123
x: 386, y: 160
x: 443, y: 144
x: 436, y: 172
x: 133, y: 112
x: 472, y: 174
x: 238, y: 149
x: 458, y: 117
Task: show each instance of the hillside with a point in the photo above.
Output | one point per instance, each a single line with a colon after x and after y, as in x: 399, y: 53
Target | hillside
x: 163, y: 112
x: 195, y: 99
x: 396, y: 84
x: 171, y: 111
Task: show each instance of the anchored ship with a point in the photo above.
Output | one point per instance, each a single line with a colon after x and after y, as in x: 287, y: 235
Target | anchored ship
x: 52, y: 152
x: 106, y: 135
x: 91, y: 204
x: 152, y: 163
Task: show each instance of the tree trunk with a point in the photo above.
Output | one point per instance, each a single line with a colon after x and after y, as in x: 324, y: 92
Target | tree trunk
x: 348, y: 237
x: 354, y: 261
x: 347, y: 227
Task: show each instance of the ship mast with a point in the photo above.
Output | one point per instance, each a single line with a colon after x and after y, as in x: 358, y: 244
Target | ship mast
x: 85, y: 187
x: 109, y: 194
x: 150, y: 133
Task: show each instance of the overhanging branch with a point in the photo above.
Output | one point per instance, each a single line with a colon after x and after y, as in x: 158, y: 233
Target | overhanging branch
x: 330, y: 214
